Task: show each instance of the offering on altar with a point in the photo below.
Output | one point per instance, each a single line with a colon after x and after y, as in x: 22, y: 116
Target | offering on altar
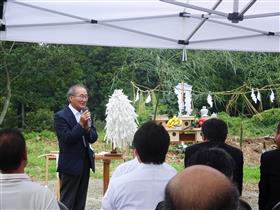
x: 174, y: 121
x: 181, y: 128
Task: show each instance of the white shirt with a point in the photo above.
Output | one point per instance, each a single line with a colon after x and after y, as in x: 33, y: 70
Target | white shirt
x: 125, y: 168
x: 140, y: 189
x: 19, y: 192
x: 76, y: 113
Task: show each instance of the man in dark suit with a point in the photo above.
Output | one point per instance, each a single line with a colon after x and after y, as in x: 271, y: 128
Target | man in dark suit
x: 75, y: 131
x: 214, y: 134
x: 269, y: 185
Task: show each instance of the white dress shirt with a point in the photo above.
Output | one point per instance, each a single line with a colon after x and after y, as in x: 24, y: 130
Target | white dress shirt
x: 76, y: 113
x: 125, y: 168
x: 19, y: 192
x: 140, y: 189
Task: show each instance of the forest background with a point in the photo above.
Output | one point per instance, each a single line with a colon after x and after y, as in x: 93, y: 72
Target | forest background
x: 34, y: 79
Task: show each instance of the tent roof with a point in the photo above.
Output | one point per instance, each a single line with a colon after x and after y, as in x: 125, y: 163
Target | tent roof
x: 145, y: 23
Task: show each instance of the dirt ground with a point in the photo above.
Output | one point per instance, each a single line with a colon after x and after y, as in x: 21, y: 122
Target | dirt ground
x: 252, y: 150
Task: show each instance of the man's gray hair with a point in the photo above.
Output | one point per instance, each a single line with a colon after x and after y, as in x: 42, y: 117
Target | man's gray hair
x: 72, y: 90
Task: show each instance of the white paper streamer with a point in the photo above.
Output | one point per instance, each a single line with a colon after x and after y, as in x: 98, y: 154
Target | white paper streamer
x: 188, y: 99
x: 184, y: 54
x: 137, y: 96
x: 184, y: 96
x: 210, y: 100
x: 259, y: 96
x: 121, y: 120
x: 178, y: 92
x: 148, y: 99
x: 272, y: 96
x: 253, y: 96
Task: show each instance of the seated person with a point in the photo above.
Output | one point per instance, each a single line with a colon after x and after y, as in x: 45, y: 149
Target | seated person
x: 269, y: 185
x: 214, y: 157
x: 201, y: 187
x: 143, y: 187
x: 17, y: 189
x: 214, y: 134
x: 218, y: 159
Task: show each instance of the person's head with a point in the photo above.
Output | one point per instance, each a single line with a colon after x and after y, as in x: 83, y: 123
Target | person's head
x: 214, y: 157
x: 12, y: 150
x: 214, y: 129
x: 77, y: 96
x: 200, y: 188
x: 151, y: 142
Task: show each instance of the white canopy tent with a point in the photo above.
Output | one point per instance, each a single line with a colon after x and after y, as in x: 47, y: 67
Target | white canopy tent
x: 239, y: 25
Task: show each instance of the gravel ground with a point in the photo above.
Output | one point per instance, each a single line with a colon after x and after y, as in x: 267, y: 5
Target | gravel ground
x: 250, y: 194
x: 94, y: 196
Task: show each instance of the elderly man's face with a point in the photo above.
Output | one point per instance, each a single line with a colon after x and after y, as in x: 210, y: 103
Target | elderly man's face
x: 79, y: 99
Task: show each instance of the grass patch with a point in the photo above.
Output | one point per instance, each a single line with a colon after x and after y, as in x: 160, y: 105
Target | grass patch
x: 39, y: 144
x: 251, y: 174
x: 260, y: 125
x: 42, y: 143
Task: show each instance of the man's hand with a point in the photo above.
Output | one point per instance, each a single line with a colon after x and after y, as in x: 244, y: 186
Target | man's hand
x: 85, y: 117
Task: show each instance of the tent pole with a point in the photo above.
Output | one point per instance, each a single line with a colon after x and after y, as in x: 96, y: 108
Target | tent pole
x: 137, y: 32
x: 245, y: 9
x: 2, y: 25
x: 236, y: 26
x: 195, y: 7
x: 202, y: 22
x: 235, y: 6
x: 262, y: 15
x: 226, y: 38
x: 51, y: 11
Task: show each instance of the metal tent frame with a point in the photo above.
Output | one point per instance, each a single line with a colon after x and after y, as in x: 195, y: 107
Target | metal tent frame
x: 211, y: 15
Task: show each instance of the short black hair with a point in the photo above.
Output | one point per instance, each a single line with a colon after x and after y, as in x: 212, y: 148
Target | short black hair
x: 151, y: 142
x: 215, y: 130
x: 12, y: 149
x: 214, y: 157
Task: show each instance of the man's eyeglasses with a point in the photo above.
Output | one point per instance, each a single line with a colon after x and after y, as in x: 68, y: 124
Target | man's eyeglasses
x: 82, y: 97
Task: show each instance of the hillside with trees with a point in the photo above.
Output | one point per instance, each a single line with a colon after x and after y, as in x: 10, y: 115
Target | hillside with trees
x: 35, y: 78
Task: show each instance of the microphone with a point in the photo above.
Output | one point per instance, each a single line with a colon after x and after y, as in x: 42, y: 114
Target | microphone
x: 89, y: 122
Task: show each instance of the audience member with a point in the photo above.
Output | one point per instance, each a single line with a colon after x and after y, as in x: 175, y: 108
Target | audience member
x: 201, y: 188
x: 214, y: 157
x: 143, y: 187
x: 220, y: 160
x: 214, y: 134
x: 269, y: 185
x: 17, y: 189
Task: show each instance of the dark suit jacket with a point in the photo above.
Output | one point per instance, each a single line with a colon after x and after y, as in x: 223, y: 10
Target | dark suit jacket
x: 235, y: 153
x: 73, y: 143
x: 269, y: 185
